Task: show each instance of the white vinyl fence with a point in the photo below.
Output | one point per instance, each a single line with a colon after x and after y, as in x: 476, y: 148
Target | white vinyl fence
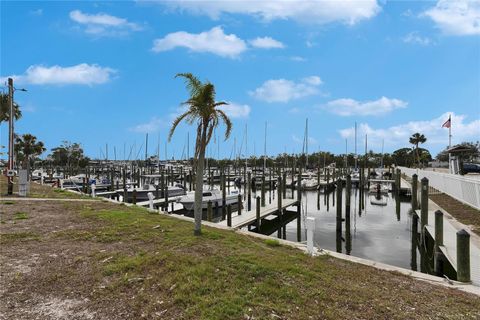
x: 463, y: 189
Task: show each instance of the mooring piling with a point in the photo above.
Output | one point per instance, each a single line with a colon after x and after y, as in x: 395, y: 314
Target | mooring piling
x: 463, y: 256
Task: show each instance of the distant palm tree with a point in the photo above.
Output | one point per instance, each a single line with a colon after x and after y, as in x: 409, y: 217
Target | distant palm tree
x: 5, y: 108
x: 26, y: 148
x: 202, y: 109
x: 417, y: 139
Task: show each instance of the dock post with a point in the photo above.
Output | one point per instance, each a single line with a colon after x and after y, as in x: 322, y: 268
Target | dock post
x: 93, y: 190
x: 224, y: 196
x: 216, y: 208
x: 263, y: 190
x: 438, y: 255
x: 414, y: 191
x: 258, y: 214
x: 424, y: 204
x: 229, y: 215
x: 209, y: 210
x: 134, y: 196
x: 279, y: 202
x: 190, y: 176
x: 299, y: 222
x: 284, y: 186
x: 413, y: 261
x: 348, y: 195
x: 463, y: 256
x: 299, y: 186
x: 339, y: 215
x: 239, y: 204
x: 150, y: 200
x: 438, y: 229
x: 310, y: 231
x: 398, y: 177
x: 249, y: 200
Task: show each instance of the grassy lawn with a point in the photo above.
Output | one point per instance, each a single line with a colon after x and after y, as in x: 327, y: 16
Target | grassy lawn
x: 105, y: 261
x: 463, y: 213
x: 38, y: 191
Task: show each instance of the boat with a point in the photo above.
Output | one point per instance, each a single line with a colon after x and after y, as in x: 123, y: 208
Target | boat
x: 215, y: 196
x: 151, y: 183
x: 378, y: 200
x: 309, y: 184
x: 378, y: 188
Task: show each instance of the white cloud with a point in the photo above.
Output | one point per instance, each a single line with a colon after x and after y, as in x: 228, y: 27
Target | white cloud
x: 282, y: 90
x: 316, y: 12
x: 298, y: 59
x: 415, y: 38
x: 313, y: 80
x: 213, y: 41
x: 456, y: 17
x: 437, y: 137
x: 350, y: 107
x: 236, y: 111
x: 266, y: 43
x: 102, y: 24
x: 83, y: 73
x: 153, y: 125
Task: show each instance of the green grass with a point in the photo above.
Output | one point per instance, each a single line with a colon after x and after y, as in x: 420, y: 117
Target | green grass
x: 272, y: 242
x: 8, y: 202
x: 141, y: 258
x: 6, y: 238
x: 20, y: 216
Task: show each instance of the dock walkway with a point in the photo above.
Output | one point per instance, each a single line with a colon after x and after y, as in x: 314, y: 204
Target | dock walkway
x: 248, y: 217
x: 449, y: 247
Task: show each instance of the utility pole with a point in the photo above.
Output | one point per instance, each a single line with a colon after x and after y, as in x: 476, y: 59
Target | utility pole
x: 10, y: 135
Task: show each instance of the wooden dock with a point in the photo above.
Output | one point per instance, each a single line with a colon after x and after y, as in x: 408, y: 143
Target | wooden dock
x: 449, y: 248
x: 249, y: 217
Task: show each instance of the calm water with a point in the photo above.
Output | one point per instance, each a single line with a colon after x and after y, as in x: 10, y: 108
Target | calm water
x: 379, y: 233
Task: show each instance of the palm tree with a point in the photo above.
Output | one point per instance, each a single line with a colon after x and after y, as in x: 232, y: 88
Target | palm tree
x: 202, y: 109
x: 26, y: 148
x: 417, y: 139
x: 5, y: 108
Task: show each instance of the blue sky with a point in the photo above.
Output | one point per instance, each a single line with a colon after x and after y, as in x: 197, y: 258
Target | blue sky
x: 103, y: 72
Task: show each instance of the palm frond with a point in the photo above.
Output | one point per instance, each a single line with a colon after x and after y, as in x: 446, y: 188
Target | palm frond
x: 176, y: 122
x: 227, y: 121
x: 192, y: 83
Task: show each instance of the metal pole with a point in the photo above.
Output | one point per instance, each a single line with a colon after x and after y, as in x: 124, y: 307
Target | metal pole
x: 10, y: 135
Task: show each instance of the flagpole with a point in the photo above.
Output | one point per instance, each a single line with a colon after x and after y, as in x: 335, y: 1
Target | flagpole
x: 450, y: 132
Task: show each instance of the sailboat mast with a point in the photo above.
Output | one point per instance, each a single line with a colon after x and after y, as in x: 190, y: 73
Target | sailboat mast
x: 265, y: 149
x: 356, y: 155
x: 306, y: 143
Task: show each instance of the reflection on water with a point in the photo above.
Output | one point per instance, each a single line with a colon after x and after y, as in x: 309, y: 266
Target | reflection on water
x: 381, y: 233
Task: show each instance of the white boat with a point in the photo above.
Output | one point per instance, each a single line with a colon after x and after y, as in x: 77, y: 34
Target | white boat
x: 378, y: 201
x: 309, y: 184
x: 188, y: 200
x: 142, y: 193
x: 378, y: 188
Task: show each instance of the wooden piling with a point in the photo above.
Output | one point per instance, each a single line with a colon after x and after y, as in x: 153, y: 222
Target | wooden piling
x: 414, y: 241
x: 414, y: 191
x: 424, y: 204
x: 258, y: 221
x: 299, y: 221
x: 279, y: 202
x: 249, y: 188
x: 229, y: 215
x: 463, y: 256
x: 209, y: 211
x: 263, y: 190
x: 134, y: 196
x: 239, y: 204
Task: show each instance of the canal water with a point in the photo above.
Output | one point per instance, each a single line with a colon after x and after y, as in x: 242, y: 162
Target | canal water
x: 379, y: 233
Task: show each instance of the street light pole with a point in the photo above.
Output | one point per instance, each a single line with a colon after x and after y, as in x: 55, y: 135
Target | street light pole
x: 10, y: 135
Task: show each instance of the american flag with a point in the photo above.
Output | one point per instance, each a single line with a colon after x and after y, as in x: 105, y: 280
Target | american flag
x: 447, y: 123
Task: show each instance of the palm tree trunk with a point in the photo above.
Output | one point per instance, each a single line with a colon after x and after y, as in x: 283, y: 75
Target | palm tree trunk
x: 197, y: 210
